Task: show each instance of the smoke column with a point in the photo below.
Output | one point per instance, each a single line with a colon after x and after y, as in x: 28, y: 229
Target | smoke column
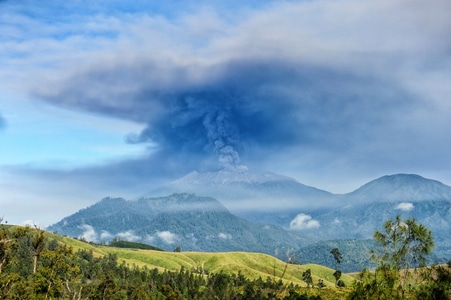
x: 223, y: 136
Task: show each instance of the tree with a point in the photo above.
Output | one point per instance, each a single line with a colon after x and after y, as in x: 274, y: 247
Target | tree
x: 307, y: 277
x: 404, y: 244
x: 337, y: 274
x: 5, y: 244
x: 37, y: 242
x: 337, y: 257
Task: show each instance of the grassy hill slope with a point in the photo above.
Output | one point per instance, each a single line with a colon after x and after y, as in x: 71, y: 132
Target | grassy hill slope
x: 251, y: 265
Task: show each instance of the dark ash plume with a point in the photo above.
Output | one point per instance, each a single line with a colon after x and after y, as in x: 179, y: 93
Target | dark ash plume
x: 232, y: 111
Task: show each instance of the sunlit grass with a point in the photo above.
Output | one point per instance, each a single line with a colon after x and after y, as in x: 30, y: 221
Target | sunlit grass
x: 251, y: 265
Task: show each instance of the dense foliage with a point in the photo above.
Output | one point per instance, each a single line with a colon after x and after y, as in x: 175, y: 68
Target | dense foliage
x: 33, y: 266
x: 401, y: 271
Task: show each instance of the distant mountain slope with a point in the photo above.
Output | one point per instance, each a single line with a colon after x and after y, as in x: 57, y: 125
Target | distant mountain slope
x: 241, y: 190
x: 224, y: 177
x: 365, y: 210
x: 267, y: 198
x: 399, y: 188
x: 185, y: 220
x: 360, y: 221
x: 204, y: 224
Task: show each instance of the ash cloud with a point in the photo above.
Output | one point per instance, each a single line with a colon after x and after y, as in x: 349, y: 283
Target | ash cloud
x: 234, y: 109
x: 288, y: 86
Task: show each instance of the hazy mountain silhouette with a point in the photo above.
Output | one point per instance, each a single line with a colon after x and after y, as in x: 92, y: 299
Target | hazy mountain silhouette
x: 185, y: 220
x: 269, y: 212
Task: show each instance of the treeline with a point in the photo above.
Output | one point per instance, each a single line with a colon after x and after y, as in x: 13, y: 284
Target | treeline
x: 33, y: 266
x: 118, y: 243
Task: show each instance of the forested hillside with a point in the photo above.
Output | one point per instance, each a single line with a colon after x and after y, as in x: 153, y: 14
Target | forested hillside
x: 192, y: 222
x: 35, y: 264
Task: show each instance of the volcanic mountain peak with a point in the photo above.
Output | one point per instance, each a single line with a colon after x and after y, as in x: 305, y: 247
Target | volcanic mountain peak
x: 224, y: 177
x: 402, y: 187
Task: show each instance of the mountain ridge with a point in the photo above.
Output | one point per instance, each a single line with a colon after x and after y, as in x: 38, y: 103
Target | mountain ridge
x: 226, y: 177
x: 190, y: 221
x: 203, y: 223
x: 401, y: 187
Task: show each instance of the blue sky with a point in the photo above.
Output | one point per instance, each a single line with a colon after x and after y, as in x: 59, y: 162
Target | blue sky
x: 112, y: 98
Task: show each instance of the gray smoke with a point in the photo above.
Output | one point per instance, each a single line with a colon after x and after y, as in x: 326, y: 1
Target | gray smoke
x: 235, y: 112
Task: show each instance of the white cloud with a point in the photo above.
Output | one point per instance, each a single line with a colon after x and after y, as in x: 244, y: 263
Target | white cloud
x: 29, y: 223
x: 105, y: 235
x: 89, y: 233
x: 150, y: 238
x: 128, y: 236
x: 303, y: 221
x: 404, y: 206
x: 225, y: 236
x: 167, y: 237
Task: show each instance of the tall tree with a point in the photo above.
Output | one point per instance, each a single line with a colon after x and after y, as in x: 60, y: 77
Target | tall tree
x: 404, y: 244
x: 337, y: 274
x: 337, y: 257
x: 307, y: 277
x: 38, y: 241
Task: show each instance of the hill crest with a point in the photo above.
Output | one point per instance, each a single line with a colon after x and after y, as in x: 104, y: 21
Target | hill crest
x: 400, y: 187
x: 186, y: 220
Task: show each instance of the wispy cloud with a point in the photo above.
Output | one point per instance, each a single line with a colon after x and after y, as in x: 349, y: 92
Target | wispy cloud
x: 167, y: 237
x: 89, y: 233
x: 225, y: 236
x: 405, y: 206
x: 128, y: 235
x: 303, y: 221
x: 106, y: 236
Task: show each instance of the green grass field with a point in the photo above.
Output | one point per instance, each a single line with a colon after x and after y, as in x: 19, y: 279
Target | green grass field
x: 251, y: 265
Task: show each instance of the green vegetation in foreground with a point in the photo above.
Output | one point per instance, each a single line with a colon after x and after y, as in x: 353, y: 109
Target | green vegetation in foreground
x: 39, y: 265
x: 35, y: 264
x: 251, y: 265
